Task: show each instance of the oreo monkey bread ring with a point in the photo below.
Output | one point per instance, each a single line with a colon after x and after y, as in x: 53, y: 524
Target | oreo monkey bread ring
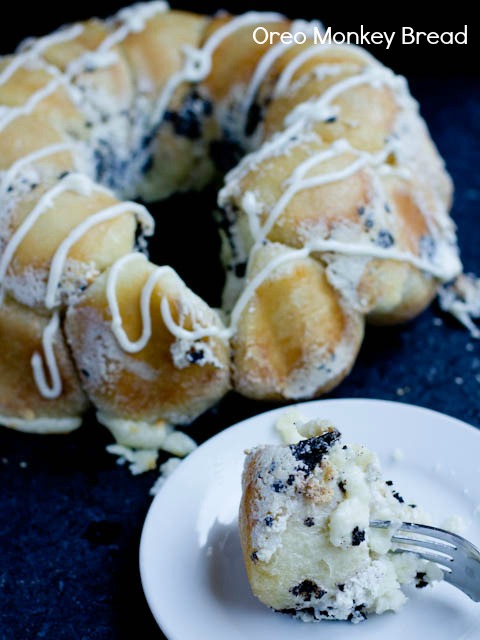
x: 336, y: 215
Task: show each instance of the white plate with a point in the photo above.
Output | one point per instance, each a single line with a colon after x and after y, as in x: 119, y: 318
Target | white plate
x: 190, y: 558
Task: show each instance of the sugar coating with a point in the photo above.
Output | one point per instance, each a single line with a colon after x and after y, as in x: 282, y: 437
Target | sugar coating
x: 310, y: 551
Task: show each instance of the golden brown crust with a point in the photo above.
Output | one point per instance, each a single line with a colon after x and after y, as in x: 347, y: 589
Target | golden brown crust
x: 21, y: 332
x: 246, y: 521
x: 145, y: 386
x: 295, y: 339
x: 321, y: 211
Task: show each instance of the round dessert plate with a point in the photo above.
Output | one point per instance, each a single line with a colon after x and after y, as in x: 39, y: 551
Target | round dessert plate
x: 190, y: 558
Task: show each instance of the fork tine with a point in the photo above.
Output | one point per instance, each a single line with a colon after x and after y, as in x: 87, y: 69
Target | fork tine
x: 425, y: 530
x: 456, y: 556
x: 443, y: 561
x: 433, y: 532
x: 458, y: 543
x: 426, y: 544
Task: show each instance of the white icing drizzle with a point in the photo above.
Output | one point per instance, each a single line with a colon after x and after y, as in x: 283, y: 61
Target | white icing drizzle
x: 133, y: 20
x: 446, y: 272
x: 268, y: 60
x: 446, y: 267
x: 252, y: 209
x: 117, y: 326
x: 228, y: 29
x: 462, y: 300
x: 243, y: 300
x: 298, y: 182
x: 55, y: 389
x: 302, y: 114
x: 258, y: 279
x: 400, y: 172
x: 9, y: 114
x: 134, y: 346
x: 81, y: 184
x: 276, y: 144
x: 108, y: 213
x: 134, y: 17
x: 318, y: 109
x: 441, y: 271
x: 299, y: 60
x: 10, y: 174
x: 198, y: 62
x: 37, y: 48
x: 29, y: 105
x: 191, y: 72
x: 72, y: 182
x: 187, y: 334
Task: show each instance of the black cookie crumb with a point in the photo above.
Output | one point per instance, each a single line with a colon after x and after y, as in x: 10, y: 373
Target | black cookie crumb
x: 268, y: 520
x: 385, y: 239
x: 279, y: 487
x: 254, y: 557
x: 306, y: 589
x: 420, y: 581
x: 398, y: 497
x: 359, y: 613
x: 358, y: 536
x: 195, y: 355
x: 240, y: 269
x: 187, y: 122
x: 309, y: 522
x: 310, y: 452
x: 288, y: 612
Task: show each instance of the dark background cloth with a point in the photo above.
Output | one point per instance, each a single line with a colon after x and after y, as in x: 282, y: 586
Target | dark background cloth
x: 70, y: 517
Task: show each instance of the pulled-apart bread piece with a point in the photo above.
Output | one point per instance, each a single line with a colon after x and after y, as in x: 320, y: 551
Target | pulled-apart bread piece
x: 138, y: 338
x: 25, y: 335
x: 304, y: 526
x: 295, y: 336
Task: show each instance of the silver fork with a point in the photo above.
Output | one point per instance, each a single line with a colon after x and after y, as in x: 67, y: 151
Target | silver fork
x: 458, y: 558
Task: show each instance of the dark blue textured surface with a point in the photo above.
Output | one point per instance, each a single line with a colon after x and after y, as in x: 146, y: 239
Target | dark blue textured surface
x: 71, y: 518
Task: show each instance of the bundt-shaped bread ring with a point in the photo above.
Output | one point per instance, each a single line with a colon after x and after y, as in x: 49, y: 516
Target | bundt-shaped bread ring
x: 336, y: 214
